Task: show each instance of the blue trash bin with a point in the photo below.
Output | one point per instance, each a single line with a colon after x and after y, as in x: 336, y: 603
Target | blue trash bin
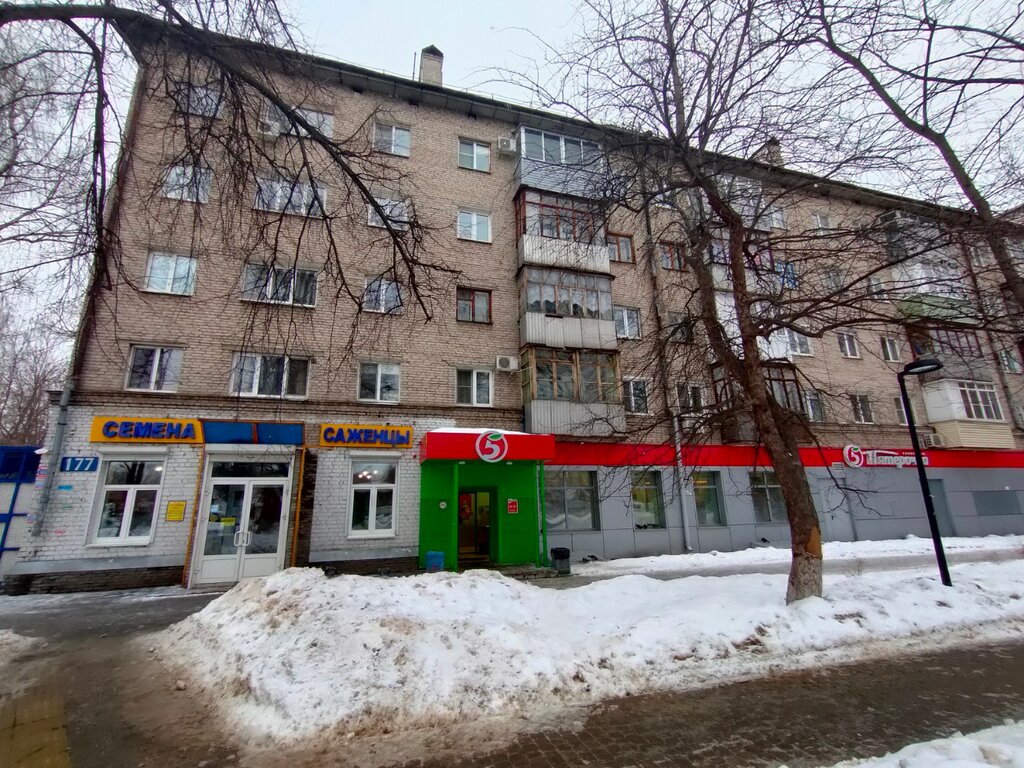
x: 435, y: 562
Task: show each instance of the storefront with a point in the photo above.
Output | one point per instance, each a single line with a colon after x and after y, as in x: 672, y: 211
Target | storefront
x: 481, y: 497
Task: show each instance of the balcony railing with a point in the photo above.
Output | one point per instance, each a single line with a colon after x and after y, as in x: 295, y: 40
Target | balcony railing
x: 592, y: 180
x: 565, y: 417
x: 565, y: 254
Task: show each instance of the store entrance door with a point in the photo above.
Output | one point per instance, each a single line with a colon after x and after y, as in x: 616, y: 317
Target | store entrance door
x: 475, y: 506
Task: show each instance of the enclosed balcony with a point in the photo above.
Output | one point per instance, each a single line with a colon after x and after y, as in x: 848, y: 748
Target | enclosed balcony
x: 558, y: 231
x: 565, y: 165
x: 572, y: 393
x: 566, y: 309
x: 968, y: 414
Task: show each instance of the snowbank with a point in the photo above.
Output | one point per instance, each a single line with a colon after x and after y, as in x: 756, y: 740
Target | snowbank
x: 296, y: 652
x: 1002, y: 746
x: 13, y: 645
x: 833, y: 550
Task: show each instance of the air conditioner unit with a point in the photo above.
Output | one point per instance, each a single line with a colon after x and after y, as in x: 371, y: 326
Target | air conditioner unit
x: 507, y: 146
x: 507, y: 363
x: 933, y: 440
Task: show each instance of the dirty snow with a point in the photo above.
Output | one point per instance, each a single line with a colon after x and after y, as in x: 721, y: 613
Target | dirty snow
x: 296, y: 653
x: 13, y: 645
x: 1001, y: 746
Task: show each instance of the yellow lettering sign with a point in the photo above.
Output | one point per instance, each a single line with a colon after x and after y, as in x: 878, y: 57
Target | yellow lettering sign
x: 117, y: 429
x: 175, y: 511
x: 365, y: 436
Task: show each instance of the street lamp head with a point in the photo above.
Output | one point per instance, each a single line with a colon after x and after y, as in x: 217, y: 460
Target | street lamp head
x: 922, y: 366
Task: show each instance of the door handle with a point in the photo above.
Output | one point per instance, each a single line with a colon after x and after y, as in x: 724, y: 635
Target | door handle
x: 236, y: 539
x: 248, y: 538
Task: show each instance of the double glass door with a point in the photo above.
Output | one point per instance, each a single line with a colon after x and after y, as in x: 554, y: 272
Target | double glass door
x: 244, y: 521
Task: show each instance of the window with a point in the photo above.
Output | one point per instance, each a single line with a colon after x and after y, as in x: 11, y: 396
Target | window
x: 783, y: 385
x: 876, y: 287
x: 279, y: 285
x: 380, y: 382
x: 560, y: 218
x: 269, y: 376
x: 473, y: 305
x: 861, y: 405
x: 396, y: 211
x: 707, y: 498
x: 474, y: 155
x: 627, y: 322
x: 664, y: 196
x: 680, y: 327
x: 957, y: 343
x: 671, y: 255
x: 787, y: 273
x: 766, y: 493
x: 568, y: 294
x: 382, y: 295
x: 979, y: 256
x: 156, y: 369
x: 473, y: 387
x: 996, y: 502
x: 648, y: 503
x: 187, y: 182
x: 570, y: 500
x: 586, y: 377
x: 128, y: 500
x: 821, y: 221
x: 392, y: 139
x: 848, y: 345
x: 901, y: 412
x: 299, y: 198
x: 171, y: 273
x: 719, y: 250
x: 834, y: 279
x: 691, y: 398
x: 275, y: 121
x: 775, y: 216
x: 202, y: 100
x: 620, y: 247
x: 552, y: 148
x: 814, y: 407
x: 474, y: 225
x: 634, y: 393
x: 374, y: 485
x: 980, y: 401
x: 890, y: 349
x: 798, y: 343
x: 1009, y: 360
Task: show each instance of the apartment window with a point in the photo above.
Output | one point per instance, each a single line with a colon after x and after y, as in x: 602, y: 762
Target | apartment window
x: 707, y: 498
x: 473, y: 387
x: 821, y: 221
x: 620, y: 247
x: 1009, y: 360
x: 275, y: 121
x: 171, y: 273
x: 553, y: 148
x: 798, y: 343
x: 980, y: 401
x: 299, y: 198
x: 996, y: 502
x: 787, y: 274
x: 834, y: 279
x: 570, y: 500
x: 128, y: 500
x: 382, y: 295
x: 648, y: 502
x: 380, y: 382
x: 890, y: 349
x: 556, y: 374
x: 568, y: 294
x: 392, y: 139
x: 848, y: 345
x: 627, y: 322
x: 634, y: 392
x: 963, y: 344
x: 281, y: 285
x: 474, y: 155
x: 374, y: 488
x: 155, y: 369
x: 201, y: 100
x: 472, y: 305
x: 671, y: 255
x: 814, y: 407
x: 270, y: 376
x: 861, y: 405
x: 560, y: 218
x: 781, y: 381
x: 664, y: 196
x: 187, y: 182
x: 395, y: 210
x: 680, y: 327
x: 474, y: 225
x: 901, y: 412
x: 691, y: 398
x: 776, y: 217
x: 876, y: 287
x: 766, y: 493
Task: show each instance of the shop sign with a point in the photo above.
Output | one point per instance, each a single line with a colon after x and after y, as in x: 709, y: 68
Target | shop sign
x: 115, y: 429
x: 79, y: 463
x: 513, y: 506
x: 364, y: 436
x: 175, y: 511
x: 491, y: 446
x: 855, y: 457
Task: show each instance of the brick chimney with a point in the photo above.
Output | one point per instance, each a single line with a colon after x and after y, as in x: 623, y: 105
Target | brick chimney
x: 431, y: 62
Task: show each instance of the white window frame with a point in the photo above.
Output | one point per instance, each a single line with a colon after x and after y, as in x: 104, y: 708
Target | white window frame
x: 397, y: 210
x: 474, y: 372
x: 890, y: 349
x: 396, y: 369
x: 562, y: 139
x: 1009, y: 360
x: 629, y: 398
x: 848, y: 345
x: 172, y: 276
x: 990, y: 401
x: 476, y: 146
x: 796, y: 341
x: 123, y: 539
x: 372, y: 532
x: 822, y: 222
x: 161, y: 351
x: 293, y: 197
x: 193, y: 179
x: 630, y: 330
x: 857, y: 403
x: 235, y: 386
x: 689, y: 407
x: 876, y: 288
x: 263, y: 291
x: 814, y: 403
x: 275, y: 122
x: 384, y: 139
x: 472, y: 231
x: 380, y: 304
x: 901, y: 412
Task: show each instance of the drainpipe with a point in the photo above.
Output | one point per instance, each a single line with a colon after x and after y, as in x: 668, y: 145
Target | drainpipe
x: 54, y: 454
x: 542, y: 520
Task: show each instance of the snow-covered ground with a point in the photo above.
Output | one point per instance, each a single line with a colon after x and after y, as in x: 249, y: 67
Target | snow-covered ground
x: 296, y: 653
x: 1002, y: 746
x: 834, y: 551
x: 13, y: 645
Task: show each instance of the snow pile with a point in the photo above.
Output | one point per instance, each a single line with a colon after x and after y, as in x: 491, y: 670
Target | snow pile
x: 13, y: 645
x: 1002, y: 746
x: 833, y: 551
x: 296, y: 652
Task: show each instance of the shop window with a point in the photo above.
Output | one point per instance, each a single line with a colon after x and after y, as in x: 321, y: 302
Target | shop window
x: 473, y: 305
x: 474, y: 387
x: 279, y: 285
x: 155, y: 369
x: 707, y: 498
x: 379, y: 382
x: 374, y: 490
x: 570, y: 500
x: 270, y: 376
x: 766, y: 493
x: 996, y: 502
x: 648, y: 502
x: 563, y: 293
x: 128, y: 500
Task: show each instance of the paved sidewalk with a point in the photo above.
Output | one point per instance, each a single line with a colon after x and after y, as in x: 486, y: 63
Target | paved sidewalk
x: 32, y: 730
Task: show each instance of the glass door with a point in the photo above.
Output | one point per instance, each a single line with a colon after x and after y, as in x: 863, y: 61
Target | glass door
x: 222, y: 535
x: 263, y: 535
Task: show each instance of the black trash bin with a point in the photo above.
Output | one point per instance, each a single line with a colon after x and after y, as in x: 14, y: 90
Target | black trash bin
x: 560, y: 560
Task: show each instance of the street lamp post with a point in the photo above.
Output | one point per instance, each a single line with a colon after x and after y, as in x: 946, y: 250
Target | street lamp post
x: 917, y: 368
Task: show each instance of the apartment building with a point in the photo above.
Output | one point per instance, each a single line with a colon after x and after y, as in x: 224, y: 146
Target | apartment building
x: 261, y: 385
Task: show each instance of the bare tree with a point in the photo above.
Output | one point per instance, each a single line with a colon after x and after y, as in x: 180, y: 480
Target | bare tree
x: 31, y: 363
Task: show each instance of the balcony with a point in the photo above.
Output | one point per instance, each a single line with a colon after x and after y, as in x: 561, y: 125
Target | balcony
x: 565, y: 254
x: 566, y: 332
x: 575, y: 419
x: 593, y: 181
x: 946, y: 409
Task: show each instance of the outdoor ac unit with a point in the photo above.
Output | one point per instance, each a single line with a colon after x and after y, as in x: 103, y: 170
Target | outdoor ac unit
x: 933, y: 440
x: 507, y: 363
x: 507, y: 147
